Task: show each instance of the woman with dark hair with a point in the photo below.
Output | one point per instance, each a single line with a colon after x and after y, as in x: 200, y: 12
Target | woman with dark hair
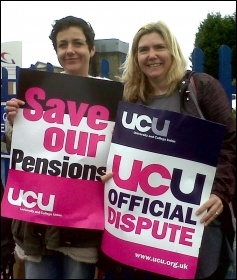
x: 52, y: 252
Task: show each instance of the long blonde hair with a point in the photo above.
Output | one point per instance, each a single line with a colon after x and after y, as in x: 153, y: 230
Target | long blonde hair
x: 136, y: 84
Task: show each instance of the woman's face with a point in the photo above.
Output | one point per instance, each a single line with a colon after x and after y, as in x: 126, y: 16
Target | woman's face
x: 154, y: 59
x: 73, y: 52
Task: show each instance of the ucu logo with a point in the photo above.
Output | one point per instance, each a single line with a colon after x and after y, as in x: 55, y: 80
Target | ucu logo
x: 144, y: 123
x: 140, y: 174
x: 36, y: 199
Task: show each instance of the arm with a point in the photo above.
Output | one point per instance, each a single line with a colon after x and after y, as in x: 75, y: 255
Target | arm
x: 215, y: 106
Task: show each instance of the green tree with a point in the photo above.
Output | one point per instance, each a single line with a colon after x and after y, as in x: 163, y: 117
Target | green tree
x: 234, y: 113
x: 213, y: 32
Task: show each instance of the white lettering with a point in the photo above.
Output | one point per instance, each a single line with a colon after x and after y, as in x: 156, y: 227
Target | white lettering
x: 144, y: 123
x: 38, y: 200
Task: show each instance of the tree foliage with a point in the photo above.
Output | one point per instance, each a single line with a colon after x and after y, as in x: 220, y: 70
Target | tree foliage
x: 213, y: 32
x: 234, y: 113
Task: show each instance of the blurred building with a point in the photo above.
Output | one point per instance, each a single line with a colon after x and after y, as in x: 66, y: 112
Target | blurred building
x: 109, y: 56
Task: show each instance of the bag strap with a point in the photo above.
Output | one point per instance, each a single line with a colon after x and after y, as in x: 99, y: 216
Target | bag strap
x: 187, y: 88
x: 193, y: 95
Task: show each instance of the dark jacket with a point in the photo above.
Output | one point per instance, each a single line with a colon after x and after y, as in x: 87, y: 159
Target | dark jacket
x: 214, y: 104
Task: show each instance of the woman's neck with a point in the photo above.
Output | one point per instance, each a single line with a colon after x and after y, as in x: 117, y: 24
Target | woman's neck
x: 81, y: 74
x: 159, y: 88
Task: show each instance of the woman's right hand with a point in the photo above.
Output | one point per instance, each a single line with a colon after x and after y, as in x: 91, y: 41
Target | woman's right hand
x: 12, y: 107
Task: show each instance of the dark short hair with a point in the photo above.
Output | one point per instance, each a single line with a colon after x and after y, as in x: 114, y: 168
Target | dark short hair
x: 65, y: 23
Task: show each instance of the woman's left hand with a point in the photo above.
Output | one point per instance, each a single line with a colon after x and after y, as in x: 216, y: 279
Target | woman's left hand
x: 106, y: 177
x: 214, y: 207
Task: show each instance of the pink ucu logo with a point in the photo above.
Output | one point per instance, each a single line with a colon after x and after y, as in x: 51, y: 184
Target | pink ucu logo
x: 36, y: 199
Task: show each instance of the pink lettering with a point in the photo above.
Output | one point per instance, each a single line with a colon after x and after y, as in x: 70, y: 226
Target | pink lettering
x: 74, y: 142
x: 54, y: 110
x: 158, y: 230
x: 186, y: 233
x: 56, y: 113
x: 98, y: 114
x: 30, y: 94
x: 140, y: 177
x: 142, y: 223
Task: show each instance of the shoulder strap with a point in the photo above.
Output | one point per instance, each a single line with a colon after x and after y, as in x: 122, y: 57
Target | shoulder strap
x: 187, y: 88
x: 193, y: 95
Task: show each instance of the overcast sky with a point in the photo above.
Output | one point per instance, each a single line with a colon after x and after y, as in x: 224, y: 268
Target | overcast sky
x: 30, y: 21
